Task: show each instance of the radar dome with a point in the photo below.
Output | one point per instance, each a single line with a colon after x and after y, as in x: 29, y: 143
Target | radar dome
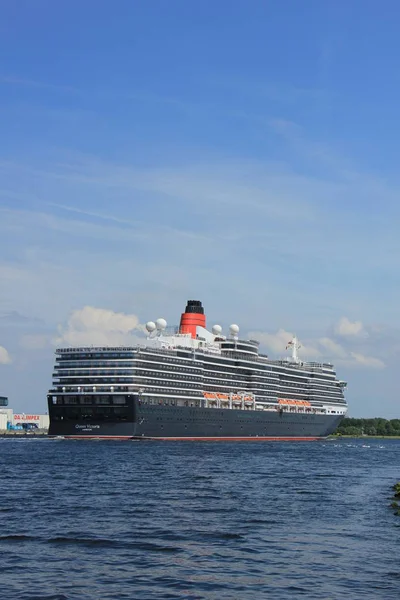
x: 217, y: 329
x: 161, y: 324
x: 150, y: 326
x: 234, y: 329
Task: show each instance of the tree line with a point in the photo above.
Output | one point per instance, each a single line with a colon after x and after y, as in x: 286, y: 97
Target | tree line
x: 378, y: 426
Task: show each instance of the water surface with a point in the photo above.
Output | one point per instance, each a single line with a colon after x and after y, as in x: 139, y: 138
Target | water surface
x: 143, y: 520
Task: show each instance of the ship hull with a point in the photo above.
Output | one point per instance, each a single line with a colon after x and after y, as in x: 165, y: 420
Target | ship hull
x: 192, y: 423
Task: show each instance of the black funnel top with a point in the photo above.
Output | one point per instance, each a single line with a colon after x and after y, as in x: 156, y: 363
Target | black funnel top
x: 194, y: 306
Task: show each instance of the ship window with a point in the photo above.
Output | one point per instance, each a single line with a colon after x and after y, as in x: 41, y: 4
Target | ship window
x: 86, y: 400
x: 119, y: 400
x: 103, y: 400
x: 70, y: 400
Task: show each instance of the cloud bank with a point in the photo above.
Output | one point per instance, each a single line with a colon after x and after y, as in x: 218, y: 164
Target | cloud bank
x: 340, y: 351
x: 99, y: 327
x: 5, y: 358
x: 345, y: 328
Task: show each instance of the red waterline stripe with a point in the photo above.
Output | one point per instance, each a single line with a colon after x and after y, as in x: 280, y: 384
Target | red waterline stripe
x: 230, y: 439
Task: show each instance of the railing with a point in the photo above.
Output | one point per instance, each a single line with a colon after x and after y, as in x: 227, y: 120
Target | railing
x: 81, y: 349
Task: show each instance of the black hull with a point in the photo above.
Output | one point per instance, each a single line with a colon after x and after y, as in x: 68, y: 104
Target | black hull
x: 186, y: 423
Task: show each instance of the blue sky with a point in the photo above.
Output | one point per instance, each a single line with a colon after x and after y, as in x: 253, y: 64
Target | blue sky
x: 241, y: 153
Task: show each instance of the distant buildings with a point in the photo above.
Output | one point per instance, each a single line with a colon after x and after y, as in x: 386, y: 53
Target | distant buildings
x: 20, y: 420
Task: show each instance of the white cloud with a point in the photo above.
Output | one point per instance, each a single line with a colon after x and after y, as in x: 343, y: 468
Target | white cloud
x: 276, y: 342
x: 99, y: 326
x: 344, y: 327
x: 332, y: 347
x: 4, y: 356
x: 367, y: 361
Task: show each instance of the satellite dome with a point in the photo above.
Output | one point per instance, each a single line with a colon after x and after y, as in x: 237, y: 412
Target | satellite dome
x: 234, y: 329
x: 161, y: 324
x: 150, y: 326
x: 217, y: 329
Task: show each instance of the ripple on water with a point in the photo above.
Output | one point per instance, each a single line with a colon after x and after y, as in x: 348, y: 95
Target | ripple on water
x: 198, y: 521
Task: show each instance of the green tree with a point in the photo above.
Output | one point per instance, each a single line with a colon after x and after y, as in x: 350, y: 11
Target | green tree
x: 377, y: 426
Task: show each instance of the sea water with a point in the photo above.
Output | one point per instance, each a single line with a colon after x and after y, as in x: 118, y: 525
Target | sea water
x: 172, y: 520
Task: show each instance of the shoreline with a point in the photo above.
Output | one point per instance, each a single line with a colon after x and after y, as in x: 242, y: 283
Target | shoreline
x: 363, y: 437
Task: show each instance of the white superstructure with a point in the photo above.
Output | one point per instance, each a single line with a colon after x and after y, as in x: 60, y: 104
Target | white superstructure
x: 209, y: 370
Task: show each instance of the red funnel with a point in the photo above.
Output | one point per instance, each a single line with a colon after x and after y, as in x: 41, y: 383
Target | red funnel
x: 192, y: 317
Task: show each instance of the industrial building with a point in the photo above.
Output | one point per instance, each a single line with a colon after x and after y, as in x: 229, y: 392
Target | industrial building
x: 4, y: 413
x: 9, y: 420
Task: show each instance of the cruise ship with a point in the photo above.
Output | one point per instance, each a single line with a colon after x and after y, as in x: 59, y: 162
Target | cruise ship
x: 190, y: 383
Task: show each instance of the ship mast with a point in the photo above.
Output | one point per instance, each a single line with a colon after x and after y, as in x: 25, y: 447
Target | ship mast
x: 295, y: 346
